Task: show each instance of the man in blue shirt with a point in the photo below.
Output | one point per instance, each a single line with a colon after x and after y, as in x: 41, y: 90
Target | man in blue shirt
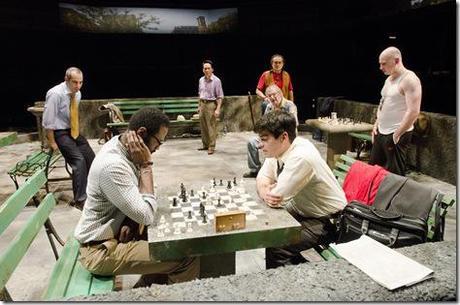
x: 60, y: 121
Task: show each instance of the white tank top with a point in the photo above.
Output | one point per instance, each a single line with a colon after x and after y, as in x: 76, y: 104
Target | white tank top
x: 392, y: 107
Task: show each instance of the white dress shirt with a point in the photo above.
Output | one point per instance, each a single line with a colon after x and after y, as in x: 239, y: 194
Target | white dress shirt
x: 306, y: 183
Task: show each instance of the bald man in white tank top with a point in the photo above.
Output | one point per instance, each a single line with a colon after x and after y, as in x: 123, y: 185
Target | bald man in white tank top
x: 396, y: 114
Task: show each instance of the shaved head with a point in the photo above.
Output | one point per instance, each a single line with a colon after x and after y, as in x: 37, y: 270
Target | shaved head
x: 391, y: 52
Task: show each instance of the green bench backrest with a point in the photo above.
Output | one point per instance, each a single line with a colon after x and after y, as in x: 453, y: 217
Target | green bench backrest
x: 12, y: 255
x: 179, y: 106
x: 16, y: 202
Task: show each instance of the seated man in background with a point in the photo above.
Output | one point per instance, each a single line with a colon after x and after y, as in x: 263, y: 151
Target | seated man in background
x: 295, y: 177
x: 120, y: 189
x: 277, y: 102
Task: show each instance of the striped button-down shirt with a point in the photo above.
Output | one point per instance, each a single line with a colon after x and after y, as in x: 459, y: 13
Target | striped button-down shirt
x: 210, y: 89
x: 113, y: 193
x: 56, y: 114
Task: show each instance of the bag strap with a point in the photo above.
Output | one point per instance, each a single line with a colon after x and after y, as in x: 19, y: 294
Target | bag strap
x: 385, y: 214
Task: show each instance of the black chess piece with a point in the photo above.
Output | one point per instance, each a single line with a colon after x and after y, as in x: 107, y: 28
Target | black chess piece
x: 221, y: 184
x: 174, y: 202
x: 184, y: 197
x: 214, y: 181
x: 219, y: 204
x: 234, y: 181
x: 201, y: 209
x: 229, y: 185
x: 189, y: 215
x: 204, y: 195
x: 191, y: 193
x: 204, y: 218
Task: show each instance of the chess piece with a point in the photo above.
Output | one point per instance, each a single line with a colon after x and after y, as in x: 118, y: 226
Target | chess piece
x: 191, y: 193
x: 234, y: 181
x: 219, y: 204
x: 201, y: 209
x: 189, y: 227
x: 204, y: 195
x: 189, y: 215
x: 220, y: 183
x: 229, y: 185
x: 177, y: 230
x: 214, y: 181
x: 167, y: 230
x: 160, y: 233
x: 204, y: 218
x: 174, y: 204
x: 162, y: 219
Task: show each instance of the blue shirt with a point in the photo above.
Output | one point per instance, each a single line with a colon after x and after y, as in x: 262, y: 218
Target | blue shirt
x: 56, y: 114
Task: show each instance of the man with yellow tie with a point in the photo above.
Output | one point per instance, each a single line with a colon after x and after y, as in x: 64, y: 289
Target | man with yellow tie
x: 60, y: 120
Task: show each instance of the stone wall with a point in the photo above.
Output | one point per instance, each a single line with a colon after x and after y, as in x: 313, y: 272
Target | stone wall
x: 235, y: 115
x: 434, y: 155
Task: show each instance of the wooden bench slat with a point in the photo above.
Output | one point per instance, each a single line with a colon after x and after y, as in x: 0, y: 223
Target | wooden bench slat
x: 80, y: 281
x: 361, y: 135
x: 16, y: 202
x: 11, y: 257
x: 125, y: 107
x: 62, y: 270
x: 101, y: 284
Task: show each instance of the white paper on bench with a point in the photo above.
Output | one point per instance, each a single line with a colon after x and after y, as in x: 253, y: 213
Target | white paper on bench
x: 387, y: 267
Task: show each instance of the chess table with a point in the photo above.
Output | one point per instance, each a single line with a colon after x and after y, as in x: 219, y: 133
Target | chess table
x: 179, y: 230
x: 338, y: 140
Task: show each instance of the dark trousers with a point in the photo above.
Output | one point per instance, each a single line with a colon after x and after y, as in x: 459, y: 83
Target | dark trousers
x: 79, y: 155
x: 391, y: 156
x: 314, y: 232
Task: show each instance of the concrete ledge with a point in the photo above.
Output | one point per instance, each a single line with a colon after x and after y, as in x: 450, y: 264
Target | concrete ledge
x: 326, y: 281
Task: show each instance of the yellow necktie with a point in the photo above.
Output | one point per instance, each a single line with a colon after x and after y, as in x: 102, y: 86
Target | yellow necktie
x: 74, y: 129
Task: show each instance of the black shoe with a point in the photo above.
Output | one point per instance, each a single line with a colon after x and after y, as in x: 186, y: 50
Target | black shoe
x: 250, y: 175
x: 203, y: 148
x: 77, y: 204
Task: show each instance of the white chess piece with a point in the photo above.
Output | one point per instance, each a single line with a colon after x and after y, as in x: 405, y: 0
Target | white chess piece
x: 162, y: 219
x: 189, y: 227
x: 160, y: 233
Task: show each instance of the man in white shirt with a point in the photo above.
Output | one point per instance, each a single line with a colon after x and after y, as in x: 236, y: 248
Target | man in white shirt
x: 120, y: 191
x: 398, y: 110
x: 295, y: 177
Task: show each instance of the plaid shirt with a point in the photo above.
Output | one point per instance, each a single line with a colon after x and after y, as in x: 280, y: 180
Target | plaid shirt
x: 113, y: 194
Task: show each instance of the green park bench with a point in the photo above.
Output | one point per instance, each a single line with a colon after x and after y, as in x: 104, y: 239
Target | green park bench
x: 7, y: 138
x: 341, y: 169
x: 186, y: 107
x: 34, y: 162
x: 68, y: 277
x: 363, y: 140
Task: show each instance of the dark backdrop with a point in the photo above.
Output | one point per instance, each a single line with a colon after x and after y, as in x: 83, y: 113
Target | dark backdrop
x: 331, y: 49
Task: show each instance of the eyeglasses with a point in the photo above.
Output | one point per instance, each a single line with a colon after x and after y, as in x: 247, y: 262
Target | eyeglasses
x: 158, y: 140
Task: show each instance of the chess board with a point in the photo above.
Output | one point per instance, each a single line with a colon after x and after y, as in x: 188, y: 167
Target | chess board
x: 185, y: 215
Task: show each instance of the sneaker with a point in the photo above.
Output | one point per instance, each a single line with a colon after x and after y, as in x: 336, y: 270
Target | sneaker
x: 250, y: 175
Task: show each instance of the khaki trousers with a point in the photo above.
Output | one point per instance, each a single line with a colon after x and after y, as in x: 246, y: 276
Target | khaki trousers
x: 114, y: 258
x: 208, y: 124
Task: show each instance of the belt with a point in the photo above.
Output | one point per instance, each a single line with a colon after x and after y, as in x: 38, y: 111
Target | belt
x: 208, y: 101
x: 92, y: 243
